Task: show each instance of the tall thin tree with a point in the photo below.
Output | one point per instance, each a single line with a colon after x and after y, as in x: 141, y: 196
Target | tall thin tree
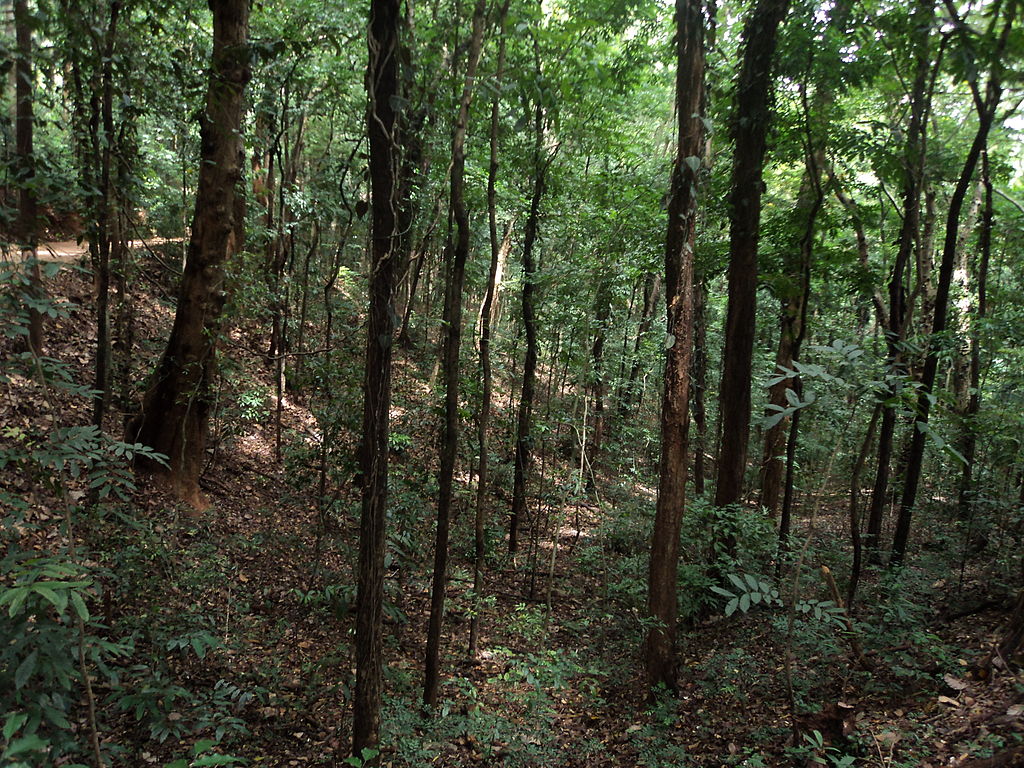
x: 458, y: 252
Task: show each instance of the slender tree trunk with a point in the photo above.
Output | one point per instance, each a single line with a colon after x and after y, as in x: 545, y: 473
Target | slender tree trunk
x: 106, y: 212
x: 969, y: 441
x: 484, y: 418
x: 175, y: 411
x: 523, y: 445
x: 750, y: 130
x: 987, y: 107
x: 602, y: 311
x: 382, y: 83
x: 793, y: 328
x: 854, y: 508
x: 459, y: 252
x: 24, y: 127
x: 680, y: 239
x: 699, y: 379
x: 652, y: 294
x: 913, y: 159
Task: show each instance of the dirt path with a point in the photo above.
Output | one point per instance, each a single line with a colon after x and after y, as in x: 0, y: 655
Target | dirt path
x: 72, y: 251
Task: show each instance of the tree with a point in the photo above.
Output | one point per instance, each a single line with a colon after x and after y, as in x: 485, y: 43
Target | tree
x: 986, y: 105
x: 175, y: 412
x: 458, y: 253
x: 750, y: 130
x: 382, y: 82
x: 680, y: 239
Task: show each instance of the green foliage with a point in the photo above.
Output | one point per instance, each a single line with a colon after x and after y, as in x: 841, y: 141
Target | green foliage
x: 750, y: 591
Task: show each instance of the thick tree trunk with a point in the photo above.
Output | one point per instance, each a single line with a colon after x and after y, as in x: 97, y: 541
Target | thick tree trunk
x: 24, y: 126
x: 750, y: 130
x: 680, y: 239
x: 459, y: 252
x: 382, y: 83
x: 176, y: 408
x: 987, y: 107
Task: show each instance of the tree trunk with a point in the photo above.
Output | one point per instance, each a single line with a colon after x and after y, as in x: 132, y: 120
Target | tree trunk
x: 458, y: 252
x: 913, y: 160
x: 523, y: 444
x: 680, y: 238
x: 968, y: 440
x: 382, y: 82
x: 652, y: 293
x: 175, y: 411
x: 793, y: 326
x: 750, y: 130
x: 24, y: 126
x: 986, y: 107
x: 484, y: 418
x: 699, y: 379
x: 602, y: 311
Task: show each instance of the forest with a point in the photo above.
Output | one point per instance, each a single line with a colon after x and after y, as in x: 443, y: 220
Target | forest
x: 512, y: 383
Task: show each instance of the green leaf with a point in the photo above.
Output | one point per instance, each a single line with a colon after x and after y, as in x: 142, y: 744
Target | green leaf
x: 79, y: 605
x: 723, y: 592
x: 207, y: 760
x: 58, y: 599
x: 25, y: 670
x: 730, y: 607
x: 28, y: 743
x: 203, y: 745
x: 738, y: 582
x: 744, y: 603
x: 751, y: 581
x: 179, y: 763
x: 14, y: 721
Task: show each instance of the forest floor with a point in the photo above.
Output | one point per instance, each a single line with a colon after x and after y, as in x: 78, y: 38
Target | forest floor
x: 240, y: 616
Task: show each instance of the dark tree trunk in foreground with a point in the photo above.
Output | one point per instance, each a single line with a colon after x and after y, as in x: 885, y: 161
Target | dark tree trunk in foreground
x: 524, y: 421
x: 662, y: 602
x: 458, y: 252
x: 986, y: 107
x: 382, y: 80
x: 750, y: 130
x: 175, y: 411
x: 913, y: 159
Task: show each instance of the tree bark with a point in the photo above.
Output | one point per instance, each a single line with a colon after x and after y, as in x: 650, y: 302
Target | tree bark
x: 968, y: 440
x: 913, y: 171
x: 680, y: 239
x: 176, y: 408
x: 458, y: 252
x: 523, y: 445
x: 986, y: 107
x: 24, y: 129
x: 484, y: 418
x: 750, y: 129
x: 382, y: 83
